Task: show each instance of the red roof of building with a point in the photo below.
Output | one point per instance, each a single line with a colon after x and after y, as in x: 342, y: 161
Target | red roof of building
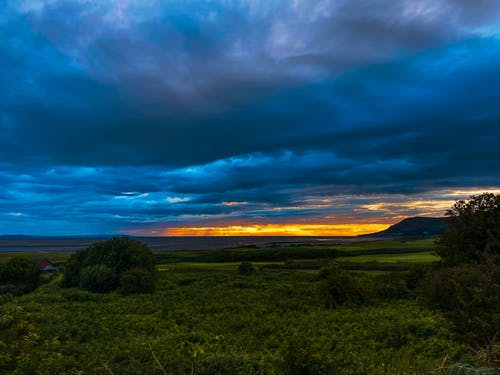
x: 43, y: 262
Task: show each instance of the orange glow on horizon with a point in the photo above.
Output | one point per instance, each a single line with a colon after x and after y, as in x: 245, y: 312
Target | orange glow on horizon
x: 279, y: 230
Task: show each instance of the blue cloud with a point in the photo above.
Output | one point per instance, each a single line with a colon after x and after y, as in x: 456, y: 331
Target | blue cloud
x: 107, y: 109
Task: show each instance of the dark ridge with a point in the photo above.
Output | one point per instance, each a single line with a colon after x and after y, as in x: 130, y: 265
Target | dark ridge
x: 15, y: 236
x: 414, y: 227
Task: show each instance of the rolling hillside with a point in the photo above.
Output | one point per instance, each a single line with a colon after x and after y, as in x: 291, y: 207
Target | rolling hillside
x: 414, y: 227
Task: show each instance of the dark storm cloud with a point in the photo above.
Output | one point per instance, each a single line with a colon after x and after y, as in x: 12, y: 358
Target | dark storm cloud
x: 170, y: 111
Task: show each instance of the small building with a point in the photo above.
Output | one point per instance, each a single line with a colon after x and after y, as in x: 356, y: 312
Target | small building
x: 45, y: 265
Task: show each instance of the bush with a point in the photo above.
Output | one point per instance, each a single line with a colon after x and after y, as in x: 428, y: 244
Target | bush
x: 298, y: 358
x: 338, y: 287
x: 72, y: 268
x: 98, y: 278
x: 101, y: 266
x: 137, y: 280
x: 20, y: 272
x: 391, y: 285
x: 10, y: 289
x: 416, y: 275
x: 470, y: 297
x: 120, y: 254
x: 246, y: 268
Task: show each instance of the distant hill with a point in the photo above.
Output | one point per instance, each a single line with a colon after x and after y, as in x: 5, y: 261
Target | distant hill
x: 14, y: 236
x: 414, y: 227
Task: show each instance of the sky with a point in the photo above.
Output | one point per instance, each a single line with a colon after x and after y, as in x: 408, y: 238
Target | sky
x: 299, y: 117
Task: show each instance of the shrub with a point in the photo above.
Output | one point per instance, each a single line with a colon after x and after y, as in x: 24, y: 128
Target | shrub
x: 337, y: 287
x: 72, y: 268
x: 137, y: 280
x: 392, y: 285
x: 20, y: 272
x: 470, y: 297
x: 10, y: 289
x: 297, y: 357
x: 416, y: 275
x: 120, y: 254
x: 102, y: 264
x: 290, y: 264
x: 98, y: 278
x: 246, y: 268
x: 467, y: 288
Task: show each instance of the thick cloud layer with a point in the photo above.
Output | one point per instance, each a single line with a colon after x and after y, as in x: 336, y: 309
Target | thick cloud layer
x: 123, y: 115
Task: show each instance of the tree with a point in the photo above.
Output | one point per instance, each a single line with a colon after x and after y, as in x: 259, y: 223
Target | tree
x: 474, y: 230
x: 101, y: 266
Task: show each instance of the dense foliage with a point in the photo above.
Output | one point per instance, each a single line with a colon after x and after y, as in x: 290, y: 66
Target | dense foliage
x: 338, y: 287
x: 286, y: 318
x: 18, y: 275
x: 102, y: 266
x: 137, y: 280
x: 246, y: 268
x: 466, y: 287
x: 98, y: 278
x: 218, y: 322
x: 474, y: 230
x: 469, y: 295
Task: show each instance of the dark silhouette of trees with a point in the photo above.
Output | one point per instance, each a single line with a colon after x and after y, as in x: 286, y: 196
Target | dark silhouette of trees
x: 474, y: 232
x: 102, y: 266
x: 466, y: 285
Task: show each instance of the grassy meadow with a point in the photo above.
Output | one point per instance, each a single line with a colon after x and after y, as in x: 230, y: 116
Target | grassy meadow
x: 205, y: 318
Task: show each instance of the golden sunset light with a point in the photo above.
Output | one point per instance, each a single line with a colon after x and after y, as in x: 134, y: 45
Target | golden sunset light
x: 279, y: 230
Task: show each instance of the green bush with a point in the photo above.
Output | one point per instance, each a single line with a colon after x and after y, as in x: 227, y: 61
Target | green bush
x: 10, y: 289
x: 137, y: 280
x: 72, y: 268
x: 98, y: 278
x: 101, y: 266
x: 467, y: 286
x: 246, y: 268
x: 20, y: 272
x: 391, y: 285
x: 337, y: 287
x: 297, y: 357
x: 416, y: 275
x: 470, y: 297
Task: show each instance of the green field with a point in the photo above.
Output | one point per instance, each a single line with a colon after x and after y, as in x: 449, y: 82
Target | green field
x: 55, y: 257
x: 425, y: 243
x: 304, y: 256
x: 309, y: 256
x: 205, y: 318
x: 221, y: 266
x: 214, y: 321
x: 423, y: 257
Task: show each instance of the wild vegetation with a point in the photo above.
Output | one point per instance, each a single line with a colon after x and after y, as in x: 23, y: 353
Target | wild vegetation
x: 466, y: 286
x: 217, y: 321
x: 238, y: 311
x: 18, y: 275
x: 474, y: 235
x: 106, y: 265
